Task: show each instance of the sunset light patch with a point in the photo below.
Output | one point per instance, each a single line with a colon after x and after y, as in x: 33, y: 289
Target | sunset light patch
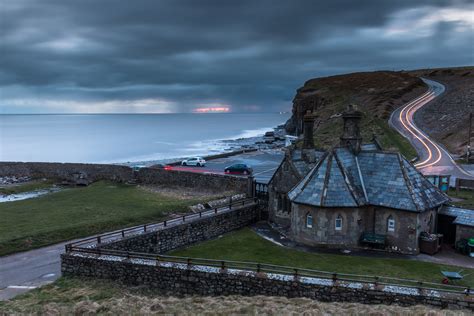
x: 221, y: 109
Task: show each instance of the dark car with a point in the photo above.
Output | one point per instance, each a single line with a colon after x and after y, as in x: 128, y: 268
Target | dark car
x: 239, y: 168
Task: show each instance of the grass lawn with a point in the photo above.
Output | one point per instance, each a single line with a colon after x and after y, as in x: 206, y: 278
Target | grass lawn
x: 79, y: 212
x: 246, y: 245
x: 466, y: 198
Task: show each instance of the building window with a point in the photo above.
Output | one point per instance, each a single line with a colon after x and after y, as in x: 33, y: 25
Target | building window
x: 339, y: 222
x: 390, y: 224
x: 309, y: 221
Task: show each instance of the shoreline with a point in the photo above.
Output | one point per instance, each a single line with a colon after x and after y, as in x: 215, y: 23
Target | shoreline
x: 231, y: 147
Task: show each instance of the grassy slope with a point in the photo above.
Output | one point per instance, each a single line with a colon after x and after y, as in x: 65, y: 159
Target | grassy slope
x: 72, y: 296
x: 466, y: 198
x: 79, y: 212
x: 246, y: 245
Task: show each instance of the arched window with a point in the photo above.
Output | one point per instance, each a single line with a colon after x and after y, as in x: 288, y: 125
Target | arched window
x: 309, y: 220
x: 338, y: 223
x: 390, y: 224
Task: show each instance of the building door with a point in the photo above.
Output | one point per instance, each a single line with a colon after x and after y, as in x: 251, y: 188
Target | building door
x: 447, y: 228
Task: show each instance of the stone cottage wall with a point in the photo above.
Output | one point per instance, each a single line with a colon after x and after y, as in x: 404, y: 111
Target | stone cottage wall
x: 181, y: 279
x: 356, y: 221
x: 184, y: 234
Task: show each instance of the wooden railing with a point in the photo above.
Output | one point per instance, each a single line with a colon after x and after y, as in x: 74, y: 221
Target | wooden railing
x: 149, y: 227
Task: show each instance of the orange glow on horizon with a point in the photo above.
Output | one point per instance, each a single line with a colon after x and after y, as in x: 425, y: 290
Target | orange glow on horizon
x: 221, y: 109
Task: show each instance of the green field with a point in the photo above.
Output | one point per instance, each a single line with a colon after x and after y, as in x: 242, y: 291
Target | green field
x: 246, y: 245
x: 79, y: 212
x: 464, y: 198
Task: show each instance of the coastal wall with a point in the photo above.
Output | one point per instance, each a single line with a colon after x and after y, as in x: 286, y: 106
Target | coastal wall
x: 95, y: 172
x: 184, y: 234
x: 183, y: 279
x: 66, y: 171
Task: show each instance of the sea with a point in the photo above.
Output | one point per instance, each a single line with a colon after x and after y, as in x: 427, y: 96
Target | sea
x: 127, y: 138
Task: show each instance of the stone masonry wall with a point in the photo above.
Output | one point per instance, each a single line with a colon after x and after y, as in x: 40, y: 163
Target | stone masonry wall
x: 117, y: 173
x: 184, y: 234
x: 192, y: 179
x: 180, y: 279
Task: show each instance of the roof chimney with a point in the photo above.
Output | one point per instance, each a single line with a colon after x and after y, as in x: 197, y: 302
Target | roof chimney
x: 308, y: 124
x: 351, y: 136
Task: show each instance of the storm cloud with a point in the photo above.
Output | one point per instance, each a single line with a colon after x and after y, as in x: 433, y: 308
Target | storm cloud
x: 175, y: 56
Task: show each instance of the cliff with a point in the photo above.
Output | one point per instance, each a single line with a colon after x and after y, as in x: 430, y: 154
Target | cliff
x: 377, y: 94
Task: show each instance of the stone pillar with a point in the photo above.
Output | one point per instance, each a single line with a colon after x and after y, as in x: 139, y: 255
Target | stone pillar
x: 351, y: 135
x: 250, y: 187
x: 308, y: 124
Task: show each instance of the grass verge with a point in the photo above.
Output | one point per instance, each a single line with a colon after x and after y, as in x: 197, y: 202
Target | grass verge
x: 463, y: 198
x: 26, y: 187
x: 246, y: 245
x: 79, y: 212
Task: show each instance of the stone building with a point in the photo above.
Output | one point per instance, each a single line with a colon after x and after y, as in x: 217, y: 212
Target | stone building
x: 353, y: 195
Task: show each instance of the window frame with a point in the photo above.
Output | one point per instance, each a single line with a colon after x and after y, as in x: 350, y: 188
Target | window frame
x: 309, y: 221
x: 391, y: 224
x: 338, y: 219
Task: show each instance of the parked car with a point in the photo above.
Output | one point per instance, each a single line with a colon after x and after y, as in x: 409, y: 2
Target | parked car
x: 194, y: 161
x: 239, y: 168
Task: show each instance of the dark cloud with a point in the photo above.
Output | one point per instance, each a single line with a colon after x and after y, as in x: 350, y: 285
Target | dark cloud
x: 248, y: 54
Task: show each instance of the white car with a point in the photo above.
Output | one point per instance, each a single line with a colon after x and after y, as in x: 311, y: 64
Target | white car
x: 194, y: 161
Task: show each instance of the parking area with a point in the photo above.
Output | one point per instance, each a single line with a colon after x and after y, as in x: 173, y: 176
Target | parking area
x: 264, y: 164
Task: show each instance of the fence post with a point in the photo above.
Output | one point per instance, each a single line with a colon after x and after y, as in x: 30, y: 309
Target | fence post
x: 296, y: 275
x: 215, y: 210
x: 157, y: 260
x: 468, y: 291
x: 200, y: 214
x: 144, y: 228
x: 189, y: 263
x: 420, y: 287
x: 164, y: 223
x: 223, y: 265
x: 334, y: 277
x: 376, y: 283
x: 258, y: 267
x: 98, y: 239
x: 184, y: 218
x: 123, y: 233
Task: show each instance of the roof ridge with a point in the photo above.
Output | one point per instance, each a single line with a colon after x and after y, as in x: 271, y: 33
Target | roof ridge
x: 408, y: 182
x: 326, y: 178
x: 346, y: 179
x: 310, y: 176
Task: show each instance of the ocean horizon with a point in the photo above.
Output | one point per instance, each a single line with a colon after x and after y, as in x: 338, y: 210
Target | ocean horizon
x: 124, y: 138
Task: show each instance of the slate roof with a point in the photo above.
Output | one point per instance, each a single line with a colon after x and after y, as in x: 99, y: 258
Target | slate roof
x: 463, y: 216
x: 342, y: 179
x: 302, y: 165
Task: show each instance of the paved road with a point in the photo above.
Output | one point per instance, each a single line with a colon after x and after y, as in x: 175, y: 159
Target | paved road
x: 27, y: 270
x: 264, y: 164
x: 433, y: 158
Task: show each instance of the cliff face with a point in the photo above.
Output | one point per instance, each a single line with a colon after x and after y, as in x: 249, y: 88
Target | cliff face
x: 447, y: 118
x: 377, y: 94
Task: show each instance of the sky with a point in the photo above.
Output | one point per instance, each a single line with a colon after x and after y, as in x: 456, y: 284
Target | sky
x: 168, y: 56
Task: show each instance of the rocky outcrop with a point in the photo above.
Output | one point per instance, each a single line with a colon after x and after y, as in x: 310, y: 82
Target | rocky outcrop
x: 447, y: 118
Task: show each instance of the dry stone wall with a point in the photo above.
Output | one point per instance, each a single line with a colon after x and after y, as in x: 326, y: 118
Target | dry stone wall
x: 117, y: 173
x: 172, y: 237
x: 181, y: 279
